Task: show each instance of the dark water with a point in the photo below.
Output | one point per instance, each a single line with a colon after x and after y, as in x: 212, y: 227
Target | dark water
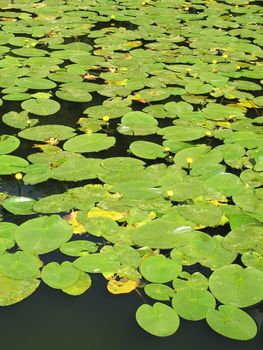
x: 98, y: 320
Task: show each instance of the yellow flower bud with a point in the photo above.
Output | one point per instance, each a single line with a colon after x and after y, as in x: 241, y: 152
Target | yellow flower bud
x: 112, y: 17
x: 169, y: 193
x: 214, y: 61
x: 167, y: 149
x: 186, y: 8
x: 105, y: 118
x: 208, y: 133
x: 189, y: 160
x: 225, y: 56
x: 19, y: 176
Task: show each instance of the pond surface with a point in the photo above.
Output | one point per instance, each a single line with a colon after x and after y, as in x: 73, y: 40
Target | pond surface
x: 131, y: 159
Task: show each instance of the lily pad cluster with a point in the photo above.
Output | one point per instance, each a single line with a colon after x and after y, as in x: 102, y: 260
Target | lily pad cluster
x: 150, y: 114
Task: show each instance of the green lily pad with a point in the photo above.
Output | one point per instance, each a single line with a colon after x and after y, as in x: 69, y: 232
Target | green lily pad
x: 7, y: 230
x: 43, y: 234
x: 205, y: 214
x: 13, y: 290
x: 89, y: 143
x: 232, y: 322
x: 8, y: 144
x: 19, y: 205
x: 225, y: 183
x: 159, y: 291
x: 20, y: 265
x: 192, y: 303
x: 80, y: 286
x: 159, y: 319
x: 41, y: 106
x: 18, y: 120
x: 11, y: 164
x: 106, y: 262
x: 147, y: 150
x: 159, y: 269
x: 45, y: 132
x: 234, y: 285
x: 137, y: 123
x: 245, y: 238
x: 78, y: 248
x: 60, y: 276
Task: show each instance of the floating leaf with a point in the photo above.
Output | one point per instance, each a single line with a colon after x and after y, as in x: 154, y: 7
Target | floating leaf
x: 232, y: 322
x: 13, y: 290
x: 45, y: 132
x: 20, y: 265
x: 234, y: 285
x: 192, y: 303
x: 159, y: 291
x: 98, y: 263
x: 89, y: 143
x: 19, y: 205
x: 147, y: 150
x: 60, y: 276
x: 121, y: 286
x: 41, y: 106
x: 159, y: 319
x: 43, y: 234
x: 80, y: 286
x: 137, y: 123
x: 11, y: 164
x: 159, y: 269
x: 8, y: 144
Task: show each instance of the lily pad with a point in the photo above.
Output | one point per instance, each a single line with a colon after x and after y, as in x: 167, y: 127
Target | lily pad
x: 19, y: 205
x: 192, y: 303
x: 159, y: 319
x: 45, y: 132
x: 137, y: 123
x: 43, y: 234
x: 13, y: 290
x: 41, y: 106
x: 89, y: 143
x: 8, y: 144
x: 159, y: 269
x: 11, y: 164
x: 60, y: 276
x: 232, y: 322
x: 20, y: 265
x: 234, y: 285
x: 147, y: 150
